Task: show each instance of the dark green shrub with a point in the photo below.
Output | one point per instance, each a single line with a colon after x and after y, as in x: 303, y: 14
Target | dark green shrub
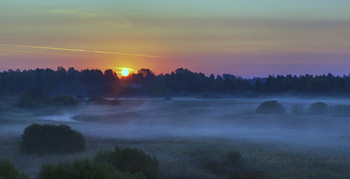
x: 270, y: 107
x: 297, y: 109
x: 64, y: 100
x: 130, y: 160
x: 168, y: 98
x: 224, y: 163
x: 102, y: 101
x: 209, y: 96
x: 85, y: 169
x: 247, y: 175
x: 232, y: 159
x: 9, y: 171
x: 39, y: 139
x: 318, y: 108
x: 27, y: 102
x: 34, y: 99
x: 340, y: 110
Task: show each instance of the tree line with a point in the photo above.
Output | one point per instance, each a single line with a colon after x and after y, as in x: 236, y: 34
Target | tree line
x: 90, y: 82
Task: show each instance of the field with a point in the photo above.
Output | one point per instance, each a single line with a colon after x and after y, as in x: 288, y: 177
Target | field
x: 185, y: 134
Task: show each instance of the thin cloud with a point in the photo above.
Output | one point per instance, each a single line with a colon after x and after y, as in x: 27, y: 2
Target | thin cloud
x: 34, y: 52
x: 82, y: 50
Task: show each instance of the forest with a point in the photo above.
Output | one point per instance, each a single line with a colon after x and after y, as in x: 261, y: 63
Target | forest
x: 181, y: 82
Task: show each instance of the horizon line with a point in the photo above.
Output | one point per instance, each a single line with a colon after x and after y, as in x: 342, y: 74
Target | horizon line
x: 238, y: 76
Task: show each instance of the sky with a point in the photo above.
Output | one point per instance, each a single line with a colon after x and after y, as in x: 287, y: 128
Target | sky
x: 242, y: 37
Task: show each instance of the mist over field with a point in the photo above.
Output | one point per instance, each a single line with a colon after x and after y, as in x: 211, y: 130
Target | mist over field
x: 231, y: 118
x: 180, y: 130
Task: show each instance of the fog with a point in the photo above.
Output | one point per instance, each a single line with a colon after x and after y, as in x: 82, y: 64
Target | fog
x: 230, y: 118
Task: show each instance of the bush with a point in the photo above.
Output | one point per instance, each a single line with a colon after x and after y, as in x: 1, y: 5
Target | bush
x: 168, y: 98
x: 318, y: 108
x: 223, y: 164
x: 209, y: 96
x: 39, y: 139
x: 64, y: 100
x: 130, y: 160
x: 85, y: 169
x: 33, y: 98
x: 340, y: 110
x: 297, y: 109
x: 39, y: 99
x: 8, y: 170
x: 102, y: 101
x: 247, y: 175
x: 270, y: 107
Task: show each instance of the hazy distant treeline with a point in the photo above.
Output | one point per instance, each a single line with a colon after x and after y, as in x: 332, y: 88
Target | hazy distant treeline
x: 180, y: 82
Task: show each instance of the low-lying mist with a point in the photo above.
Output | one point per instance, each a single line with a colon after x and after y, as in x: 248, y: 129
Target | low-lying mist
x: 231, y: 118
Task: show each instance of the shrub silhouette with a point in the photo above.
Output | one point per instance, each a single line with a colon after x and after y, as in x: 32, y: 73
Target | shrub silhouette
x: 36, y: 99
x: 63, y: 100
x: 224, y: 164
x: 340, y: 110
x: 270, y: 107
x: 168, y: 98
x: 102, y: 101
x: 318, y: 108
x: 8, y: 170
x: 40, y: 139
x: 85, y: 169
x: 297, y: 109
x: 247, y: 175
x: 130, y: 160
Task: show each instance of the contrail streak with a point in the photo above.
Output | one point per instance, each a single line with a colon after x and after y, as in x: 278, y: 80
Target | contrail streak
x: 24, y: 51
x: 82, y: 50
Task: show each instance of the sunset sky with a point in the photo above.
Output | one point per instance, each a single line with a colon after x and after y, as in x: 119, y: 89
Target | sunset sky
x: 241, y: 37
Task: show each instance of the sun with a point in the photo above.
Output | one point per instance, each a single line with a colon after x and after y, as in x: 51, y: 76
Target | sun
x: 125, y: 72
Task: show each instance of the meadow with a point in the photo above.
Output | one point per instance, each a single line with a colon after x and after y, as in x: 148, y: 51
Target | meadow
x: 187, y: 135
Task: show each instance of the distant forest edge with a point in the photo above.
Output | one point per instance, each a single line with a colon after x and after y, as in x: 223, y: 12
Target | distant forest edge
x: 180, y: 82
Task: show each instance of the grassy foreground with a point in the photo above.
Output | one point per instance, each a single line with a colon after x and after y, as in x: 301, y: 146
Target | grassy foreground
x: 183, y: 157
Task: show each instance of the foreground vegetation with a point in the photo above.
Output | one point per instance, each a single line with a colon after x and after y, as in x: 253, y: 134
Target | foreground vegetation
x: 227, y: 156
x: 86, y: 169
x: 199, y: 158
x: 40, y: 139
x: 9, y: 171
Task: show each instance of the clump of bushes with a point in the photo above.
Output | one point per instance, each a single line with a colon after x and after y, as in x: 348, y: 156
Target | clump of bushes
x: 270, y: 107
x: 102, y: 101
x: 168, y: 98
x: 87, y: 169
x: 247, y: 175
x: 8, y: 170
x: 224, y: 163
x: 318, y: 108
x: 297, y: 109
x: 340, y: 110
x: 228, y: 164
x: 40, y: 139
x: 64, y: 100
x: 209, y: 96
x: 35, y: 98
x: 130, y: 160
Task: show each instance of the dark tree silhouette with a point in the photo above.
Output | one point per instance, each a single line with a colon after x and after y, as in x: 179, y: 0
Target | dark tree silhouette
x: 94, y: 82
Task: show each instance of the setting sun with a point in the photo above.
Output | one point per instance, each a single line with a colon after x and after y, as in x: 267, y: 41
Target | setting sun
x: 125, y: 72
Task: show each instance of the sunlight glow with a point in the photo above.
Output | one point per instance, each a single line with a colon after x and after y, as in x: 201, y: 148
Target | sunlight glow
x: 125, y: 72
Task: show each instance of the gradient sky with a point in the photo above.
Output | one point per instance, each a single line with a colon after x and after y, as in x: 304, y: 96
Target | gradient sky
x: 245, y: 37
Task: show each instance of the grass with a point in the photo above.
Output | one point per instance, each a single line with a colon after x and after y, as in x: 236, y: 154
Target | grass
x: 180, y: 157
